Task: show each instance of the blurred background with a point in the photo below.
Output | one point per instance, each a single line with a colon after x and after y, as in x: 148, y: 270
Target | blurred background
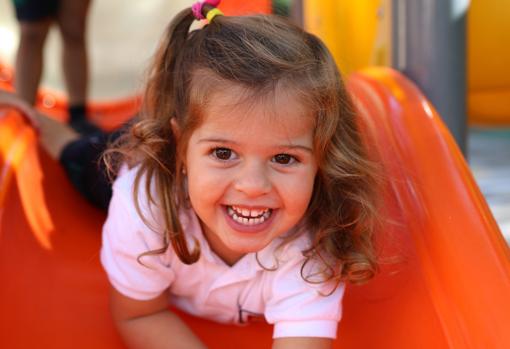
x: 121, y: 37
x: 456, y: 51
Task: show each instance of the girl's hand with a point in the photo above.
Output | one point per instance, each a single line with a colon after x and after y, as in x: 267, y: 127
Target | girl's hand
x: 12, y: 100
x: 150, y: 324
x: 302, y: 343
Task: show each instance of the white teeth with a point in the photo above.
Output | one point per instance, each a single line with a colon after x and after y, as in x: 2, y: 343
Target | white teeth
x: 245, y: 212
x: 248, y: 217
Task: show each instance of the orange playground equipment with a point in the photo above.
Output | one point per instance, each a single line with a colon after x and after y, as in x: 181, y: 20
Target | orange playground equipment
x: 445, y: 278
x: 488, y: 53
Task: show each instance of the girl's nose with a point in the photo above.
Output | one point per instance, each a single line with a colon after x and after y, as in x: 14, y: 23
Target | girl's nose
x: 252, y: 179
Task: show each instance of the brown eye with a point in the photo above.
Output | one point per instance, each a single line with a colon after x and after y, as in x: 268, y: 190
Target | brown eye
x: 284, y: 159
x: 222, y: 153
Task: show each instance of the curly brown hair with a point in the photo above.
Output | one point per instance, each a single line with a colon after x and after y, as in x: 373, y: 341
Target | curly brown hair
x: 261, y: 53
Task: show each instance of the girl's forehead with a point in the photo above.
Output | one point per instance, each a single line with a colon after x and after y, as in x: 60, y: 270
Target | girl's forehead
x: 268, y: 122
x: 246, y: 106
x: 214, y: 96
x: 255, y: 121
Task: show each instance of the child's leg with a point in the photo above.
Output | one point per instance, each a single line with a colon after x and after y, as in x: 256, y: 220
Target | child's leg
x: 35, y: 18
x: 72, y: 20
x: 80, y: 156
x: 54, y: 135
x: 82, y: 161
x: 29, y: 58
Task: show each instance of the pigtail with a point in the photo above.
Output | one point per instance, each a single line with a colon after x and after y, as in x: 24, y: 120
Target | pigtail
x: 163, y: 90
x: 151, y: 143
x: 162, y: 79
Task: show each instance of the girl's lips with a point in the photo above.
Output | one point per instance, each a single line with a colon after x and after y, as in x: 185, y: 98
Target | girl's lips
x: 243, y: 228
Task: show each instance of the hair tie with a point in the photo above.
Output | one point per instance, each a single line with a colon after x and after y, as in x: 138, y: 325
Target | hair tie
x: 198, y: 6
x: 213, y: 13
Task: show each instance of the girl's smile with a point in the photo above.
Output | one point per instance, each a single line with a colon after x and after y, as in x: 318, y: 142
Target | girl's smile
x: 249, y: 220
x: 251, y: 170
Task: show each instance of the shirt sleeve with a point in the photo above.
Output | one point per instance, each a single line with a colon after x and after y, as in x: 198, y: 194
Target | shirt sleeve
x: 125, y: 238
x: 298, y: 308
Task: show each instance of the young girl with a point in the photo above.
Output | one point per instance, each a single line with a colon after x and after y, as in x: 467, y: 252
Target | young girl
x: 244, y: 189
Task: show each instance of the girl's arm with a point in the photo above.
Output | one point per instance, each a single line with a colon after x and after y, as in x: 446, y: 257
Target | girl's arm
x: 150, y: 324
x: 302, y: 343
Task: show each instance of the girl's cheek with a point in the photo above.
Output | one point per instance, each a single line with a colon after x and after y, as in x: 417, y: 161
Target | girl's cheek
x: 207, y: 180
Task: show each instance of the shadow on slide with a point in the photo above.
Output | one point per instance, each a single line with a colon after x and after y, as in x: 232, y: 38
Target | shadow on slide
x: 444, y: 281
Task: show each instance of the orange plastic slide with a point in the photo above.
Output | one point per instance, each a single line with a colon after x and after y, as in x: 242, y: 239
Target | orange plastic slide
x: 445, y: 278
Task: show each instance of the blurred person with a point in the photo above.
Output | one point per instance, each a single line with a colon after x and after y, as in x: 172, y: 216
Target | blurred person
x: 35, y: 19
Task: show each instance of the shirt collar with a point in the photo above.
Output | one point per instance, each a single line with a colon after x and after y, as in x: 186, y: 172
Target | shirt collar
x: 267, y: 259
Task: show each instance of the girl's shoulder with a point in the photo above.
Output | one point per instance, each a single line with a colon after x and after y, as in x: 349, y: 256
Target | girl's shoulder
x: 137, y: 208
x: 125, y: 180
x: 142, y: 211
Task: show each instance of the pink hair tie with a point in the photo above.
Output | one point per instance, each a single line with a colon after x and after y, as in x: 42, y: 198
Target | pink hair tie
x: 197, y: 7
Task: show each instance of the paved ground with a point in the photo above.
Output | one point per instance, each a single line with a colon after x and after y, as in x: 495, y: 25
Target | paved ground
x: 489, y: 159
x: 124, y: 33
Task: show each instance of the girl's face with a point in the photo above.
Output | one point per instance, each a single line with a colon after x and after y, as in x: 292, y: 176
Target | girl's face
x: 251, y: 170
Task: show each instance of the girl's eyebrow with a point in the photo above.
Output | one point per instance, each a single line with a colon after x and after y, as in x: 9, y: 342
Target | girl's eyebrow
x: 285, y: 146
x: 295, y: 147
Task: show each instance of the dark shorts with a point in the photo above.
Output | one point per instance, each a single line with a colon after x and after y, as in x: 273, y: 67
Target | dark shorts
x: 81, y: 160
x: 35, y: 10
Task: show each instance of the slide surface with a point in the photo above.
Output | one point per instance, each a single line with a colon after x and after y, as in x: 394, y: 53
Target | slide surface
x: 445, y: 275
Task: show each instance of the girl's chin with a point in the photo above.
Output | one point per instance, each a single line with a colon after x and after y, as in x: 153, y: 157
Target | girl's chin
x: 233, y: 250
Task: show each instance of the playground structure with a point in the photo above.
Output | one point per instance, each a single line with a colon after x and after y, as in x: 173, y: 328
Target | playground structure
x: 359, y: 34
x: 445, y: 275
x: 487, y: 60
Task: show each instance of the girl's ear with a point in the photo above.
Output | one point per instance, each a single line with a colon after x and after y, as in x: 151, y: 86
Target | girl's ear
x: 175, y: 128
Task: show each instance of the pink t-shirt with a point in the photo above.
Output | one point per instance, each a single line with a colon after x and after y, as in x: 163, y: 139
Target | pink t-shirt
x: 272, y: 289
